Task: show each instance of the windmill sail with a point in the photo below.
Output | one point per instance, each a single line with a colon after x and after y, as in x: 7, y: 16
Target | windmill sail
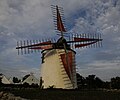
x: 58, y: 59
x: 82, y: 45
x: 60, y: 25
x: 67, y: 67
x: 43, y: 47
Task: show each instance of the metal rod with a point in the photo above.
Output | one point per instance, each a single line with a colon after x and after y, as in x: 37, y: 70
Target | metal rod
x: 92, y: 38
x: 24, y: 48
x: 88, y: 38
x: 18, y: 46
x: 34, y: 44
x: 98, y: 43
x: 85, y: 36
x: 27, y: 45
x: 101, y: 41
x: 37, y: 43
x: 21, y: 47
x: 95, y: 44
x: 31, y: 44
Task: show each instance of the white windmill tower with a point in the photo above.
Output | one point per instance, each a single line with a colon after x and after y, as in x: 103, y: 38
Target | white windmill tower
x: 58, y: 59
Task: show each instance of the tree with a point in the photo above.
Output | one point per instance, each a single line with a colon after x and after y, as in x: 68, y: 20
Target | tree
x: 90, y: 81
x: 16, y: 80
x: 99, y: 83
x: 0, y: 80
x: 115, y: 83
x: 94, y: 82
x: 80, y: 81
x: 26, y: 85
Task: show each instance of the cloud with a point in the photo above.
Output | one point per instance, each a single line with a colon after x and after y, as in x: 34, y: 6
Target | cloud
x: 32, y: 20
x: 21, y: 20
x: 102, y: 17
x: 25, y: 18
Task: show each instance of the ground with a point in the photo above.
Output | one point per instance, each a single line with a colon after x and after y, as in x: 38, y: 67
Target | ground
x: 53, y: 94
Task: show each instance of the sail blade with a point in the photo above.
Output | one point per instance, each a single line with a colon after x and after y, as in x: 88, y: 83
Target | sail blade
x: 82, y: 45
x: 34, y: 45
x: 60, y: 25
x: 42, y: 47
x: 83, y: 39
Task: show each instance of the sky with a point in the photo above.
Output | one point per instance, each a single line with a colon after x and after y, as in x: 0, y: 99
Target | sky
x: 32, y: 20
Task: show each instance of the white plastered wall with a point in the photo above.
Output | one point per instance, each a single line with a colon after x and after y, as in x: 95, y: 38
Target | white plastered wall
x: 53, y: 72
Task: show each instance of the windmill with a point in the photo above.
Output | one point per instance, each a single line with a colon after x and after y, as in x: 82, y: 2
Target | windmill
x: 58, y: 58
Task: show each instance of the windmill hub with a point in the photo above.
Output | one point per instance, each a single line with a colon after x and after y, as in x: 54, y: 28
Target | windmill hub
x: 61, y: 44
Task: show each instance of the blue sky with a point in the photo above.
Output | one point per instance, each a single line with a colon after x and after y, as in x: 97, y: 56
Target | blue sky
x: 32, y: 19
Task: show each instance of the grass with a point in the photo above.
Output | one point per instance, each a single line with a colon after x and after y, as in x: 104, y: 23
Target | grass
x: 37, y: 94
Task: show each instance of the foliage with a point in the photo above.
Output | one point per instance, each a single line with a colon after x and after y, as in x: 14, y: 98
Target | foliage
x: 0, y: 81
x: 80, y: 81
x: 89, y: 82
x: 16, y: 80
x: 115, y: 83
x: 93, y: 82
